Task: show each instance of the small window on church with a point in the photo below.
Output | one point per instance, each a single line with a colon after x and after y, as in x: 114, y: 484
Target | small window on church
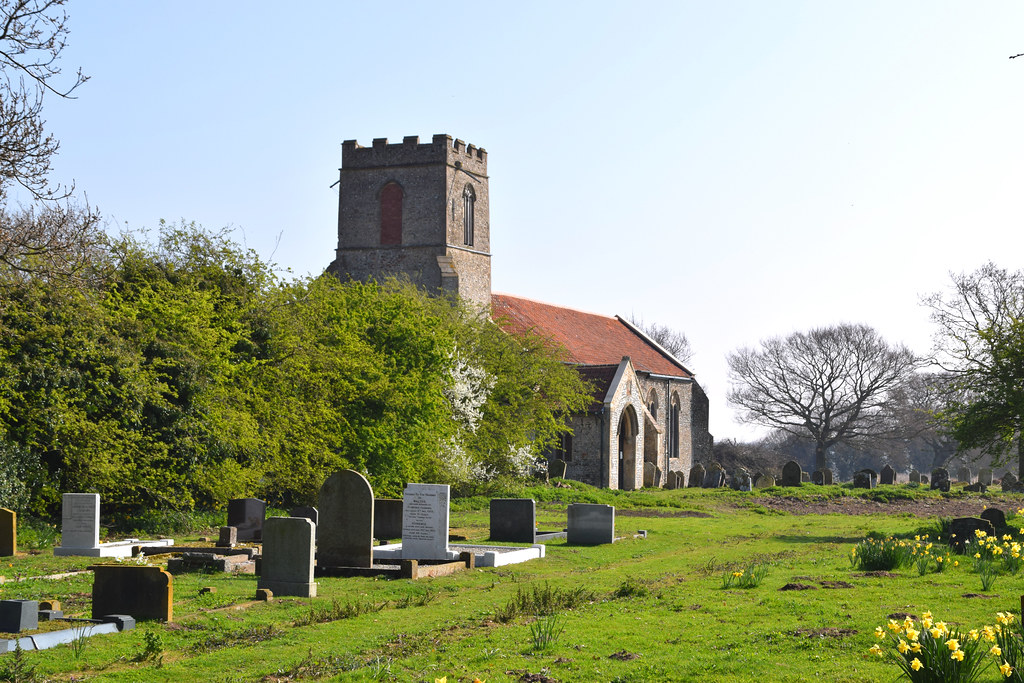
x: 564, y: 449
x: 468, y: 199
x: 391, y: 214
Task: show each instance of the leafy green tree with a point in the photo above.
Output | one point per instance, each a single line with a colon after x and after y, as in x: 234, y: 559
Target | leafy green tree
x: 980, y: 342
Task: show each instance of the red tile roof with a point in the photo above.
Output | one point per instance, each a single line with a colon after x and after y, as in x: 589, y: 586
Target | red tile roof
x: 588, y: 338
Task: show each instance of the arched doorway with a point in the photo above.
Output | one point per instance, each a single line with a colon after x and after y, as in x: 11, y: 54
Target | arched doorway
x: 627, y: 449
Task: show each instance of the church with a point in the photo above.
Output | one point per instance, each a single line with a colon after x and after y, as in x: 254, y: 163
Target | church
x: 420, y: 210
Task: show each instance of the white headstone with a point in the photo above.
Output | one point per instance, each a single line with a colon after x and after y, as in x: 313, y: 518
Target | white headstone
x: 80, y: 520
x: 425, y: 522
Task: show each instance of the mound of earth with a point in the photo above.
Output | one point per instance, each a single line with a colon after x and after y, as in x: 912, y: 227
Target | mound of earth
x: 849, y: 505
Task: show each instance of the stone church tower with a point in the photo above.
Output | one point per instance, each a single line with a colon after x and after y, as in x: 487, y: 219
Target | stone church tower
x: 416, y: 210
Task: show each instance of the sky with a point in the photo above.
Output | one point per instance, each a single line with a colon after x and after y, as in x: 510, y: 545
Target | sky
x: 736, y: 170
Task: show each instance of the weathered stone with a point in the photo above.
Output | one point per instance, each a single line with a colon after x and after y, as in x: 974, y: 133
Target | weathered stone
x: 211, y: 562
x: 791, y: 473
x: 1009, y: 481
x: 425, y: 522
x: 714, y: 477
x: 805, y: 478
x: 940, y: 479
x: 247, y: 515
x: 697, y: 473
x: 862, y: 480
x: 8, y: 532
x: 963, y: 475
x: 924, y: 478
x: 228, y: 537
x: 289, y: 546
x: 387, y: 517
x: 680, y: 480
x: 590, y: 524
x: 513, y: 520
x: 19, y: 615
x: 764, y: 481
x: 888, y: 476
x: 995, y: 517
x: 962, y: 530
x: 823, y: 477
x: 976, y: 487
x: 143, y: 592
x: 345, y: 537
x: 741, y: 480
x: 985, y: 476
x: 557, y: 469
x: 650, y: 472
x: 915, y: 477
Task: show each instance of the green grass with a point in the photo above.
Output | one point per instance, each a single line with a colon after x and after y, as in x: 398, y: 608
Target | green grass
x: 661, y: 599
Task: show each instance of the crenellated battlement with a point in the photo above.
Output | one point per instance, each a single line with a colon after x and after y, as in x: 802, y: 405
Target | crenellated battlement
x: 410, y: 151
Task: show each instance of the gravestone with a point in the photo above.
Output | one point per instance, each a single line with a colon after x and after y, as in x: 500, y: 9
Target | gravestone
x: 8, y: 532
x: 888, y: 476
x: 714, y: 477
x: 697, y: 473
x: 940, y: 479
x: 513, y: 520
x: 924, y: 479
x: 961, y: 531
x: 425, y: 522
x: 557, y: 468
x: 862, y: 480
x: 764, y: 481
x: 995, y: 517
x: 871, y: 473
x: 670, y: 480
x: 590, y: 524
x: 680, y: 480
x: 823, y: 477
x: 387, y: 517
x: 741, y: 480
x: 80, y: 522
x: 307, y: 511
x: 791, y: 473
x: 1009, y: 482
x: 211, y: 562
x: 247, y: 515
x: 143, y: 592
x: 650, y: 471
x: 915, y: 477
x: 19, y: 615
x: 228, y: 537
x: 963, y: 475
x: 289, y: 546
x: 985, y: 476
x: 345, y: 532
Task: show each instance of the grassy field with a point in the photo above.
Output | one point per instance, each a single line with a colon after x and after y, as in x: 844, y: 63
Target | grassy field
x: 652, y: 609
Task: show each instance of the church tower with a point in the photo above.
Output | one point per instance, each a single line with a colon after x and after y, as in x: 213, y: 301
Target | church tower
x: 416, y: 210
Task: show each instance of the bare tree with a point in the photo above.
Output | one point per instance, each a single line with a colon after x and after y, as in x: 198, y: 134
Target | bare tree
x: 673, y: 341
x: 33, y: 35
x: 830, y: 384
x: 56, y: 240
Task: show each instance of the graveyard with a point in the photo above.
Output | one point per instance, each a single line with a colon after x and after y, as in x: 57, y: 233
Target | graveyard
x: 664, y: 601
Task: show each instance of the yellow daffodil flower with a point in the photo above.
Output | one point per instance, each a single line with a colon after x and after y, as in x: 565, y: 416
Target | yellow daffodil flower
x: 915, y: 648
x: 1006, y: 669
x: 995, y: 650
x: 903, y: 647
x: 953, y: 644
x: 916, y: 664
x: 876, y: 650
x: 958, y: 655
x: 912, y: 634
x: 879, y: 632
x: 936, y: 632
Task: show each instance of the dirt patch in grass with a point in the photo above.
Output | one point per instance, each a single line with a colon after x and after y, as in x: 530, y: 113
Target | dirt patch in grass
x: 878, y: 575
x: 624, y: 656
x: 827, y: 632
x: 797, y: 587
x: 850, y: 505
x: 527, y: 677
x: 979, y: 595
x: 835, y: 584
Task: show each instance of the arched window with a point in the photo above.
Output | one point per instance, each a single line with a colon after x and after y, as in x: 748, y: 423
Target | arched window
x: 468, y: 200
x: 673, y: 429
x: 652, y: 403
x: 391, y: 214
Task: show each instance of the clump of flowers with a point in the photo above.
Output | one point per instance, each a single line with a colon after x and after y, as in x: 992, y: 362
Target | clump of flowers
x: 750, y: 576
x: 872, y: 555
x: 931, y: 651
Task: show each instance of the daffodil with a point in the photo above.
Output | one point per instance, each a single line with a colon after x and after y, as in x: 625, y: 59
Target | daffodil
x: 915, y: 648
x: 903, y: 647
x: 973, y: 634
x: 912, y: 634
x: 894, y: 626
x: 958, y: 655
x: 916, y: 664
x: 995, y: 650
x: 1006, y: 669
x: 953, y: 644
x: 936, y: 632
x: 879, y: 632
x: 876, y: 650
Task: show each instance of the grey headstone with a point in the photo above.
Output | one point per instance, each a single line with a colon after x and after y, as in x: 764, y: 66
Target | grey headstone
x: 697, y: 473
x: 680, y: 480
x: 307, y: 511
x: 590, y: 524
x: 995, y: 517
x: 741, y: 480
x: 228, y: 537
x: 387, y: 518
x: 345, y: 537
x: 985, y: 476
x: 963, y: 475
x: 425, y: 522
x: 888, y: 476
x: 143, y: 592
x: 823, y: 477
x: 1009, y: 482
x: 80, y: 520
x: 924, y: 478
x: 764, y: 481
x: 791, y: 473
x: 650, y: 472
x: 915, y: 477
x: 862, y: 480
x: 940, y: 479
x: 247, y: 515
x: 19, y: 615
x: 513, y: 520
x: 557, y: 469
x: 8, y: 532
x: 288, y: 552
x: 714, y: 477
x: 670, y: 480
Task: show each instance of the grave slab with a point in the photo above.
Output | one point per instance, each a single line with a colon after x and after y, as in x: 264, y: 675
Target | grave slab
x: 289, y: 548
x: 143, y: 592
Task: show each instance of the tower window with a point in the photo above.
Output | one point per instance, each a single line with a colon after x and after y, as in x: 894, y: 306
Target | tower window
x: 468, y: 200
x: 391, y: 214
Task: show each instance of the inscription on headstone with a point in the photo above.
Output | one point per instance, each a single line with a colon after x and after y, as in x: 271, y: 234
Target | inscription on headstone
x: 425, y: 522
x: 80, y: 520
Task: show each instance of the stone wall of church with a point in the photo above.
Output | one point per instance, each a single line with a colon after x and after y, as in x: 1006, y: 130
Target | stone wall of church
x: 585, y: 463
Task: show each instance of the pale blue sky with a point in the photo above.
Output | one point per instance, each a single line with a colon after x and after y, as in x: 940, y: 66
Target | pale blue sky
x: 733, y: 169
